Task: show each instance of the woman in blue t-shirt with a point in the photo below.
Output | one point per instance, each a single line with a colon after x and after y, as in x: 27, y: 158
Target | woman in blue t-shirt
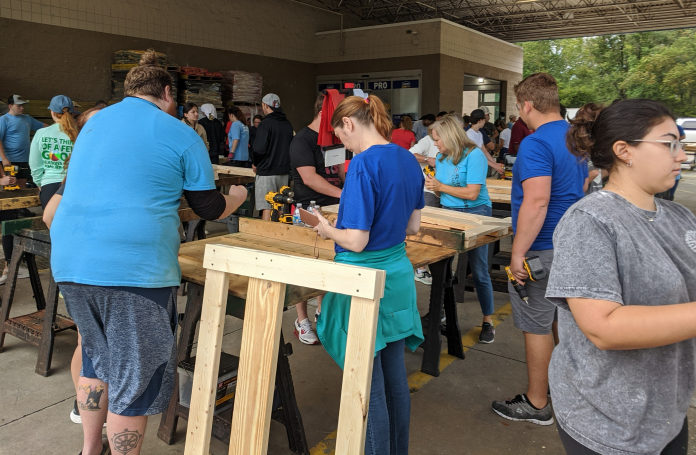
x: 460, y: 181
x: 380, y: 205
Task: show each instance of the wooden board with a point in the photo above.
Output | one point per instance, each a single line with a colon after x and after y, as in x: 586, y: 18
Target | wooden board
x: 229, y: 179
x: 231, y: 170
x: 12, y: 227
x: 18, y: 199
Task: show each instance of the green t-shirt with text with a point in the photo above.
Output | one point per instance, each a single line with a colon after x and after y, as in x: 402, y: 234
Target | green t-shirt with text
x: 49, y: 150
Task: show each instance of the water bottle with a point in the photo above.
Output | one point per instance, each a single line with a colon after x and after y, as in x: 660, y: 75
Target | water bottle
x: 296, y: 220
x: 312, y: 205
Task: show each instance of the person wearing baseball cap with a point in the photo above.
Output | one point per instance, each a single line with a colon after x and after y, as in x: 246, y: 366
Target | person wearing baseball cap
x: 271, y: 152
x: 51, y: 147
x: 14, y: 140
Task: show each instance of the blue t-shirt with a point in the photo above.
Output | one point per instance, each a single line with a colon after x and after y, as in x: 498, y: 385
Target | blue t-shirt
x: 14, y: 134
x: 471, y: 170
x: 118, y: 222
x: 240, y: 132
x: 544, y: 153
x: 384, y: 185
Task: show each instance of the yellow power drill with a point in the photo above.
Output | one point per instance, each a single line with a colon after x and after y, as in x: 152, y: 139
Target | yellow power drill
x: 281, y: 202
x: 429, y: 171
x: 12, y: 172
x: 536, y: 271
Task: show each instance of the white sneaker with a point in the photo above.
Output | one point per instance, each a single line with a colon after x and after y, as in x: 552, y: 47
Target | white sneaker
x: 23, y: 272
x: 424, y: 277
x: 3, y: 278
x: 304, y: 332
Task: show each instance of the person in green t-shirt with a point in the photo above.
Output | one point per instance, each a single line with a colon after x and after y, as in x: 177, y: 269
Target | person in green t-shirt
x: 51, y: 147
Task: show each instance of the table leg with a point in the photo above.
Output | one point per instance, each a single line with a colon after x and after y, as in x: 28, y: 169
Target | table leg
x: 10, y: 285
x: 43, y: 364
x: 194, y: 305
x: 433, y: 343
x: 452, y: 330
x: 292, y: 419
x: 35, y: 281
x: 460, y: 276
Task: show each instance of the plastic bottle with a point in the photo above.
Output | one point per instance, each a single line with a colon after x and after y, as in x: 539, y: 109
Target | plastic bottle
x: 312, y: 204
x: 296, y: 220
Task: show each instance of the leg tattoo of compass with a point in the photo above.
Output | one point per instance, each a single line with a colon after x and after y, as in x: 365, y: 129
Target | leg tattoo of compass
x: 126, y: 441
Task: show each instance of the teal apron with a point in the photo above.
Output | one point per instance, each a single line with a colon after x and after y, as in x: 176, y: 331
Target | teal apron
x: 398, y: 312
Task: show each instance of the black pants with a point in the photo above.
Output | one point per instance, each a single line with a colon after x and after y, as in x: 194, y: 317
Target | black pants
x: 47, y: 192
x: 678, y: 446
x: 8, y: 240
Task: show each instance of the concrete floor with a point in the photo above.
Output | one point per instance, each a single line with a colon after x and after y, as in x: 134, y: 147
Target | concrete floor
x: 450, y: 414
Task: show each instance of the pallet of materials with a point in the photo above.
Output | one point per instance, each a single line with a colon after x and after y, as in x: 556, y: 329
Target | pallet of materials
x: 200, y: 92
x: 241, y: 87
x: 133, y: 57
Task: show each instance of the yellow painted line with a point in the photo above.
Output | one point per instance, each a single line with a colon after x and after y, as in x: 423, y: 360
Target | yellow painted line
x: 419, y: 379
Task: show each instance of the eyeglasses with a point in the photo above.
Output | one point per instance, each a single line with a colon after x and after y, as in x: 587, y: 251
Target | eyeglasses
x: 674, y: 144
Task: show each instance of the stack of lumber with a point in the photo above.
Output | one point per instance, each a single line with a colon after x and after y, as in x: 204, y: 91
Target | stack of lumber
x: 133, y: 57
x: 200, y: 92
x: 241, y: 87
x: 499, y: 190
x: 433, y: 220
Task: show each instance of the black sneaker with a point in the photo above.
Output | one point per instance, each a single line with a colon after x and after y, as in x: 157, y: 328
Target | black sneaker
x: 75, y: 414
x: 520, y: 410
x: 487, y: 333
x: 105, y: 450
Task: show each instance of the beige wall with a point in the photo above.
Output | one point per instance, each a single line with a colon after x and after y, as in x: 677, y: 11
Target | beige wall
x: 271, y: 28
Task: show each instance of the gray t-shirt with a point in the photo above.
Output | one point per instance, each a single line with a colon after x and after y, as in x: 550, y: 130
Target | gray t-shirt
x: 634, y: 401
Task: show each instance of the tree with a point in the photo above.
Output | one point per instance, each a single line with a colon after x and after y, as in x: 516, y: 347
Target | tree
x: 656, y: 65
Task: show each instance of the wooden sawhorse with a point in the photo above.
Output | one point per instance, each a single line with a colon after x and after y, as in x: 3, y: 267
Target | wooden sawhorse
x: 289, y: 415
x: 38, y: 328
x: 268, y: 275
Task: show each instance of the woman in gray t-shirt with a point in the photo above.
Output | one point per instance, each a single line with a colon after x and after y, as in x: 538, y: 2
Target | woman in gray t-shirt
x: 624, y: 277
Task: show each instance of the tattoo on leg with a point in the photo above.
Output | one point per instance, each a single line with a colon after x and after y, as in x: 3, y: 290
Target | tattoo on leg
x: 93, y: 396
x: 126, y: 441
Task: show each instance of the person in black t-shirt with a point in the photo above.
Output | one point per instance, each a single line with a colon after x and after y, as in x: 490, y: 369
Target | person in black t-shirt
x: 313, y: 182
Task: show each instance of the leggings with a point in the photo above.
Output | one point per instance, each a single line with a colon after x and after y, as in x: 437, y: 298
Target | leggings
x: 8, y: 240
x: 47, y: 192
x: 678, y: 446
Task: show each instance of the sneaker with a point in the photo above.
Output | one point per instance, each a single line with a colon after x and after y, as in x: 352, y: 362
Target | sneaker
x: 23, y: 272
x: 424, y: 277
x: 75, y: 415
x: 520, y: 410
x: 3, y: 278
x: 487, y: 333
x: 105, y: 449
x: 304, y: 332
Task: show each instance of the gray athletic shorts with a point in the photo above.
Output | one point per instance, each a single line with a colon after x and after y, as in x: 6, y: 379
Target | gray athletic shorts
x: 264, y: 185
x: 431, y: 200
x: 538, y: 315
x: 128, y: 342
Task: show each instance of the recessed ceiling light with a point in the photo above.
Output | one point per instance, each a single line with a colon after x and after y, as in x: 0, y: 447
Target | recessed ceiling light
x: 480, y: 79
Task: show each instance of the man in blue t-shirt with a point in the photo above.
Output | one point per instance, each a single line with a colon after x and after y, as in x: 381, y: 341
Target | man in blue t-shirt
x: 14, y: 139
x: 547, y: 179
x: 115, y: 243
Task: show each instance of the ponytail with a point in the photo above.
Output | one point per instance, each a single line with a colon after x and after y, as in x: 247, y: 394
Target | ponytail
x: 370, y: 110
x: 67, y: 124
x: 595, y: 129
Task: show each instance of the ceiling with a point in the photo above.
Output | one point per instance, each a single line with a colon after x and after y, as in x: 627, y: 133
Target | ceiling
x: 529, y: 20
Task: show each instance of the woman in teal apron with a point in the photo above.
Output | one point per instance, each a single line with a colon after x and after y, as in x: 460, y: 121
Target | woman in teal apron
x: 380, y: 205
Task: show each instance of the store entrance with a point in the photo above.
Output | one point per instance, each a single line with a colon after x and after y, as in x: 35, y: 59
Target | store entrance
x: 480, y: 91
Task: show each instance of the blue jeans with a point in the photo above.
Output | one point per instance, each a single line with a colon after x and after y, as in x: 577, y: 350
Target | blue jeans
x: 390, y: 403
x: 478, y: 261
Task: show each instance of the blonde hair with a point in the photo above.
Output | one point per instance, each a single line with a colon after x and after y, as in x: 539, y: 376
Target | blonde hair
x: 453, y: 137
x: 364, y: 111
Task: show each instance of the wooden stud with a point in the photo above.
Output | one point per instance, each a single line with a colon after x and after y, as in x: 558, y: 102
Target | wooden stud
x: 258, y: 357
x: 307, y: 272
x: 357, y: 376
x: 286, y: 232
x: 205, y: 375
